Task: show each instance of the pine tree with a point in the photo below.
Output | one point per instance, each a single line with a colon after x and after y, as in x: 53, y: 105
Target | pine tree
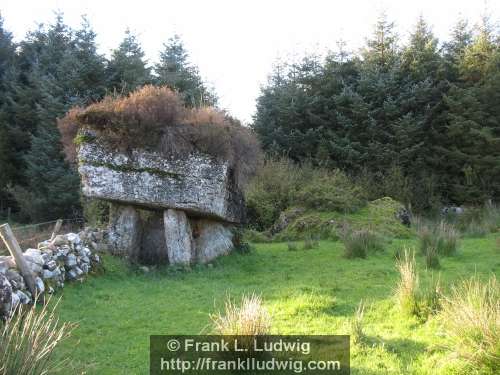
x: 127, y: 68
x: 175, y: 71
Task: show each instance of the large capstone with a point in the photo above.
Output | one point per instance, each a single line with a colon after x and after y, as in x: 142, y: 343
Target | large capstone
x: 197, y: 184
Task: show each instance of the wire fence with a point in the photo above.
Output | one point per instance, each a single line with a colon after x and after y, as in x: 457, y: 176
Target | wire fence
x: 29, y: 236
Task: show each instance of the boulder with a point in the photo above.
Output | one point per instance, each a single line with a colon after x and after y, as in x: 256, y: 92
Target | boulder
x: 5, y: 296
x: 178, y: 237
x: 212, y: 240
x: 125, y: 230
x: 198, y: 184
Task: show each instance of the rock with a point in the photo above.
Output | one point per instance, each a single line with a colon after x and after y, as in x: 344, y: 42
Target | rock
x: 178, y: 237
x: 196, y: 184
x: 85, y: 267
x: 34, y: 267
x: 73, y: 238
x: 285, y: 219
x: 125, y: 230
x: 15, y: 278
x: 14, y: 301
x: 40, y: 286
x: 144, y: 269
x: 51, y: 265
x: 34, y: 256
x: 5, y: 296
x: 213, y: 239
x: 24, y: 298
x: 70, y: 261
x: 74, y: 273
x: 59, y: 240
x: 6, y: 262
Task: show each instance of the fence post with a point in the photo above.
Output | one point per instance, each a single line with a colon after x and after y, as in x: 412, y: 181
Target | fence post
x: 57, y: 228
x: 15, y: 250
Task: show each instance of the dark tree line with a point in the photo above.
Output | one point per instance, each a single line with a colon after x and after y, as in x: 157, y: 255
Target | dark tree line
x: 53, y: 69
x: 419, y: 122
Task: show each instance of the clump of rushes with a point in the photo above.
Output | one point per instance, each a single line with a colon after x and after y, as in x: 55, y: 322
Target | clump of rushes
x: 248, y: 318
x: 357, y: 322
x: 443, y: 239
x: 407, y: 288
x: 471, y: 319
x: 28, y: 339
x: 359, y: 243
x: 292, y: 246
x: 432, y: 258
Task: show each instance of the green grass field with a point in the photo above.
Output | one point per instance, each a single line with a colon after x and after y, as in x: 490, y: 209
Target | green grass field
x: 307, y: 292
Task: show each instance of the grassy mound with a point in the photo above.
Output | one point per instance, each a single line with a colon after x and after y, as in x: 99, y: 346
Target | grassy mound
x: 378, y: 216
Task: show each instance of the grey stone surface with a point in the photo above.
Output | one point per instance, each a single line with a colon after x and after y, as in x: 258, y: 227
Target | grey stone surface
x: 125, y: 230
x: 198, y: 184
x: 178, y: 237
x: 212, y: 240
x: 5, y: 296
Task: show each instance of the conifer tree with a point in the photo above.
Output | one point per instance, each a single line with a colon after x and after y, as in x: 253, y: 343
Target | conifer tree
x: 175, y: 71
x: 127, y: 69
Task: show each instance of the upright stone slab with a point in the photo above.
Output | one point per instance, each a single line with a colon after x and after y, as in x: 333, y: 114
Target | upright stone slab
x: 125, y: 230
x: 212, y: 240
x: 178, y: 237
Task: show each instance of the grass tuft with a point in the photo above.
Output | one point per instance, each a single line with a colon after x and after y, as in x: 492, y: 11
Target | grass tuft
x: 28, y: 339
x: 407, y: 288
x: 357, y: 323
x: 358, y: 244
x: 471, y: 318
x: 249, y: 318
x: 443, y: 239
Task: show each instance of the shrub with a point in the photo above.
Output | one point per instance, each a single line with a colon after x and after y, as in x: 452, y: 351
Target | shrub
x: 330, y: 191
x: 479, y: 221
x: 249, y: 318
x: 359, y: 243
x: 95, y: 212
x: 271, y: 191
x: 357, y: 332
x: 471, y: 318
x: 28, y: 340
x: 280, y: 184
x: 407, y: 288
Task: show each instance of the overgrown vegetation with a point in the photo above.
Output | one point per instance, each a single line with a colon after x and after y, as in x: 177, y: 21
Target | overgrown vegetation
x: 360, y: 243
x: 407, y: 287
x: 471, y: 318
x: 249, y: 318
x: 281, y: 184
x: 417, y: 121
x: 28, y: 340
x: 440, y: 239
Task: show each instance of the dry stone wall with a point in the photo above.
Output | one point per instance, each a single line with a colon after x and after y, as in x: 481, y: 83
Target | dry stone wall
x: 67, y: 257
